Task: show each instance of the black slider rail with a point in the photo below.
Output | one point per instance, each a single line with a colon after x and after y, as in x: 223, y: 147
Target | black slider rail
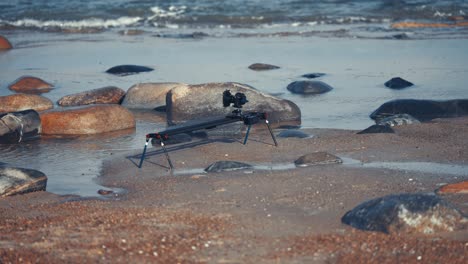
x: 249, y: 119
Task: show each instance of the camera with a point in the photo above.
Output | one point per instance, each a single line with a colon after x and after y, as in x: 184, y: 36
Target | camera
x: 238, y: 100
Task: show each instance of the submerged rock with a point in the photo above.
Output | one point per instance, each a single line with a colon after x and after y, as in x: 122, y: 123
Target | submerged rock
x: 374, y: 129
x: 19, y: 181
x: 422, y: 110
x: 123, y: 70
x: 191, y: 102
x: 406, y: 213
x: 87, y: 120
x: 148, y: 95
x: 313, y: 75
x: 398, y: 120
x: 20, y: 102
x: 262, y: 67
x: 293, y: 133
x: 4, y: 43
x: 105, y: 95
x: 30, y: 84
x: 317, y: 158
x: 227, y: 166
x: 309, y: 87
x: 19, y: 126
x: 398, y: 83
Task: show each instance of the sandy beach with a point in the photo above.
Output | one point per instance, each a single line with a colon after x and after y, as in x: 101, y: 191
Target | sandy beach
x: 263, y: 216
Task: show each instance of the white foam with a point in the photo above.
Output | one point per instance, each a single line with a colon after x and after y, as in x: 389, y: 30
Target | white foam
x: 86, y: 23
x: 172, y: 11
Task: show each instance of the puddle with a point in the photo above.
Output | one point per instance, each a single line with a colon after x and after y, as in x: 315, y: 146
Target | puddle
x: 425, y: 167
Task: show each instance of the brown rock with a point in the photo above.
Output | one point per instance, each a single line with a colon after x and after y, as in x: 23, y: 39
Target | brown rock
x: 20, y: 102
x: 4, y: 43
x: 148, y: 95
x: 105, y: 95
x: 460, y: 187
x: 262, y: 67
x: 87, y: 120
x: 317, y: 158
x: 29, y: 84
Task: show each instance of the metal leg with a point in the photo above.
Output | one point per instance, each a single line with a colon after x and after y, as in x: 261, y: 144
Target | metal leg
x: 271, y: 132
x: 143, y: 154
x: 167, y: 155
x: 247, y: 134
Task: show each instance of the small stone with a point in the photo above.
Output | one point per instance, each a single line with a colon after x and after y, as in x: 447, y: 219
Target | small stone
x: 398, y: 83
x: 313, y: 75
x: 262, y: 67
x: 105, y: 192
x: 30, y: 84
x: 317, y: 158
x: 309, y: 87
x: 227, y: 166
x: 4, y: 43
x: 123, y: 70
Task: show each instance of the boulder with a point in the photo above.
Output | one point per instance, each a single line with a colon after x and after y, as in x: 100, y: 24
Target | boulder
x: 406, y: 213
x: 398, y: 83
x: 422, y: 110
x: 262, y: 67
x: 4, y: 43
x: 309, y: 87
x: 227, y: 166
x: 459, y: 187
x: 317, y: 158
x: 398, y: 120
x: 30, y: 84
x: 19, y: 102
x: 87, y: 120
x: 293, y: 133
x: 123, y: 70
x: 313, y: 75
x: 19, y: 126
x: 190, y: 102
x: 19, y: 181
x: 105, y: 95
x: 148, y: 95
x: 374, y: 129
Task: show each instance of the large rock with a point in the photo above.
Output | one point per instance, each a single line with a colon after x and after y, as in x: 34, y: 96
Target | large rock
x: 205, y: 100
x: 105, y: 95
x: 20, y: 102
x: 30, y: 84
x: 422, y: 110
x: 148, y: 95
x: 19, y: 181
x: 4, y: 43
x: 18, y: 126
x: 87, y: 120
x: 123, y: 70
x: 406, y: 213
x: 309, y: 87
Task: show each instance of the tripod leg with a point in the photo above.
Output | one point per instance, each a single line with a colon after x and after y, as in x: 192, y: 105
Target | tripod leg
x: 271, y: 132
x: 167, y: 155
x: 247, y: 134
x: 143, y: 154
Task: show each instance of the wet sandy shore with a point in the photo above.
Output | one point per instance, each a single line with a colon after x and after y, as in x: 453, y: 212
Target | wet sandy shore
x: 262, y: 216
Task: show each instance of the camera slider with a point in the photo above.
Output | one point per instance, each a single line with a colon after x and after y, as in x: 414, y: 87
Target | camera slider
x: 249, y: 119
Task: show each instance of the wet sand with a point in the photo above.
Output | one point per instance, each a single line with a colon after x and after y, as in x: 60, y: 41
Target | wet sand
x: 253, y: 216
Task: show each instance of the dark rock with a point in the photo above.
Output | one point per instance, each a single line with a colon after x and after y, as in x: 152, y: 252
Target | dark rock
x: 262, y: 67
x: 398, y: 83
x: 105, y: 95
x: 406, y: 213
x: 317, y: 158
x: 293, y: 133
x: 148, y: 95
x: 87, y: 120
x: 205, y: 100
x: 123, y: 70
x: 19, y: 126
x: 309, y: 87
x: 32, y: 85
x: 19, y: 181
x: 20, y: 102
x: 194, y: 35
x: 313, y: 75
x: 227, y: 166
x: 423, y: 110
x: 4, y: 43
x: 377, y: 129
x: 398, y: 120
x: 105, y: 192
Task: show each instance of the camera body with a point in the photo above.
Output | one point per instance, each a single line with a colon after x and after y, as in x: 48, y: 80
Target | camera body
x: 237, y: 100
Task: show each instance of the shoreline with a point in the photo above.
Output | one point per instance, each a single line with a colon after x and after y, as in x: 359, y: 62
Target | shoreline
x: 260, y: 216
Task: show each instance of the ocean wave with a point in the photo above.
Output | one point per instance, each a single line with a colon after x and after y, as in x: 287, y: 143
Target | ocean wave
x: 172, y: 11
x: 86, y: 23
